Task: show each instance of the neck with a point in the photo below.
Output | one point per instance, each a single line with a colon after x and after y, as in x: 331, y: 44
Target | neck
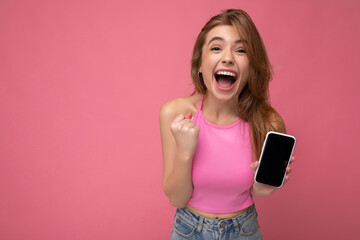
x: 220, y: 111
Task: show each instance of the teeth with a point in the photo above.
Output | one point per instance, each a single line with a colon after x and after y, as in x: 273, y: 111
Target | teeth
x: 226, y: 73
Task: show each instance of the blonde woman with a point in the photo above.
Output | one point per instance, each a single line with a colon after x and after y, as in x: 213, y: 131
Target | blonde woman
x: 212, y: 139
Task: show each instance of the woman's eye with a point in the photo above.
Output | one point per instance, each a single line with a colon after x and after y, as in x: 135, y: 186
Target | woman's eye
x: 215, y: 49
x: 241, y: 50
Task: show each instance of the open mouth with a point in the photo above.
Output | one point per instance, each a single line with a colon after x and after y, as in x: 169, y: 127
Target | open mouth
x: 225, y: 79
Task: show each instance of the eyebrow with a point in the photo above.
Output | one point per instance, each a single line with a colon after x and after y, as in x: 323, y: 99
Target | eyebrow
x: 221, y: 39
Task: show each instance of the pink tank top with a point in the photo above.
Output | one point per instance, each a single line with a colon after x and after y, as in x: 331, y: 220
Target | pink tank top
x: 221, y: 172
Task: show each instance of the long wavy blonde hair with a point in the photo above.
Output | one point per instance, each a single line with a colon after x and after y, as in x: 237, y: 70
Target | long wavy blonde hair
x: 254, y: 103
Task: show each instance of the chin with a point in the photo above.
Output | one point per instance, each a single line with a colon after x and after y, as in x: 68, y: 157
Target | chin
x: 225, y: 96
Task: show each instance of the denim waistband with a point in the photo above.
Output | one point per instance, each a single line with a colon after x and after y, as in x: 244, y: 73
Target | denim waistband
x: 200, y: 222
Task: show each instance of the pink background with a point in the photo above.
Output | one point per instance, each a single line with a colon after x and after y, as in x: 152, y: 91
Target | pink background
x: 81, y: 85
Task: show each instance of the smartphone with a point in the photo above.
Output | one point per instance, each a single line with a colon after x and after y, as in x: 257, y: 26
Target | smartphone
x: 275, y: 158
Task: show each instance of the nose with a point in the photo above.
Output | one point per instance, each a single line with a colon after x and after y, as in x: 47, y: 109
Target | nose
x: 227, y: 57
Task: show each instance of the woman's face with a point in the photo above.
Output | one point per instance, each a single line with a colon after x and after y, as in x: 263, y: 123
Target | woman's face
x: 224, y: 63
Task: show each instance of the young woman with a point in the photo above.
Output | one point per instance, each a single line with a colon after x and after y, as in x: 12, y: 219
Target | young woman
x: 212, y: 139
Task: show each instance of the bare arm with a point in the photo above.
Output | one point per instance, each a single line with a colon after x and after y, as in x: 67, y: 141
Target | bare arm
x: 178, y: 139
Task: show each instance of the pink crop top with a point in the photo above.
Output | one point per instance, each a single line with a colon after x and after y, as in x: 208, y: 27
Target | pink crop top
x: 221, y: 172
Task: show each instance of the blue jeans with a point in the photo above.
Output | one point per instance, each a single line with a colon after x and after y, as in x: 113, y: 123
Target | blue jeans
x: 189, y: 225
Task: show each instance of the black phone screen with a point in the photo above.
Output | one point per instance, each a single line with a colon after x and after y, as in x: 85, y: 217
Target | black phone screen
x: 274, y: 159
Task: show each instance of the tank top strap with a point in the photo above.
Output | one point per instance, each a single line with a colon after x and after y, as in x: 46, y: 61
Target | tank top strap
x: 198, y: 109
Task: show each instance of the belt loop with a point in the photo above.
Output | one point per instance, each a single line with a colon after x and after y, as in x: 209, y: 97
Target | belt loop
x: 200, y: 224
x: 236, y: 224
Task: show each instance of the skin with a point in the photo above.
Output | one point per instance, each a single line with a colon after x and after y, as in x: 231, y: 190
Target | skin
x: 179, y: 135
x: 223, y: 50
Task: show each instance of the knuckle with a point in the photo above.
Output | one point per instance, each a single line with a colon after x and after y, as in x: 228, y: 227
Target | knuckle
x: 173, y: 125
x: 185, y: 121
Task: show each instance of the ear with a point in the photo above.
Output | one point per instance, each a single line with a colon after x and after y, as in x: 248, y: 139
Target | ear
x: 200, y: 70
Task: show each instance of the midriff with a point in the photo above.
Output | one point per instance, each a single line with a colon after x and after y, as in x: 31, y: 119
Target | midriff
x: 215, y: 215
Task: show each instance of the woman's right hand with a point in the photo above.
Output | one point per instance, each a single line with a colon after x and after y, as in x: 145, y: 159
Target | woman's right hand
x: 185, y: 132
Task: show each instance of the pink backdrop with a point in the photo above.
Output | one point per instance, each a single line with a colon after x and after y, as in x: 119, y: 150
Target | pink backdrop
x: 81, y: 85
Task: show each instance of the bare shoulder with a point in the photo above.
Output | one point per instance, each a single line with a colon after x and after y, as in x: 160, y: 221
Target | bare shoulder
x: 174, y: 107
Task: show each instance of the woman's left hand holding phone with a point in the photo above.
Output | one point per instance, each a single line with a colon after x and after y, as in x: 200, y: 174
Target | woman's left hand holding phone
x: 263, y: 190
